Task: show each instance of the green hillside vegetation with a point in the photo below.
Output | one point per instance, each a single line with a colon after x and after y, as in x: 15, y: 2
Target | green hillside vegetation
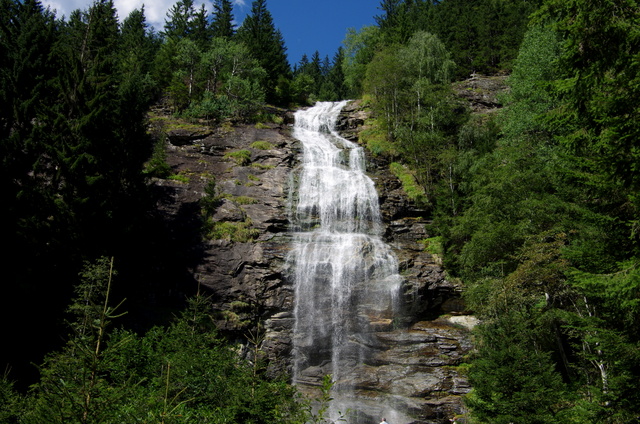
x: 535, y: 206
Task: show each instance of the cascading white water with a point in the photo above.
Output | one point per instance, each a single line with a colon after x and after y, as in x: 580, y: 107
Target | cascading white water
x: 345, y: 276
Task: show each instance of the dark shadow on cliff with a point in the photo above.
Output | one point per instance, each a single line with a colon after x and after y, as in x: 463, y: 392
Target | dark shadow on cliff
x: 158, y: 269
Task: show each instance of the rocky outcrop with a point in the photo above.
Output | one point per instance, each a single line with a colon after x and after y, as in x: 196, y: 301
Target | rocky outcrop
x: 414, y: 357
x: 243, y: 275
x: 482, y: 92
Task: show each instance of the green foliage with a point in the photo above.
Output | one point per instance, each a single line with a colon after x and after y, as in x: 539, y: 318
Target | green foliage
x: 261, y: 145
x: 240, y: 157
x: 244, y: 200
x: 409, y: 184
x: 434, y: 246
x: 412, y: 100
x: 222, y: 23
x: 211, y: 199
x: 183, y: 372
x: 376, y: 141
x: 543, y: 238
x: 241, y: 232
x: 180, y: 177
x: 265, y: 43
x: 11, y: 403
x: 157, y: 165
x: 359, y: 49
x: 513, y: 380
x: 74, y: 385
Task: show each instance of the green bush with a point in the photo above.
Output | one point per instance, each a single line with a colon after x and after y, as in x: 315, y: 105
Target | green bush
x: 157, y: 166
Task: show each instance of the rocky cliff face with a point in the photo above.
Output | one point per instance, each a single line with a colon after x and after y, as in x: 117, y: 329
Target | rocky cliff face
x: 414, y: 366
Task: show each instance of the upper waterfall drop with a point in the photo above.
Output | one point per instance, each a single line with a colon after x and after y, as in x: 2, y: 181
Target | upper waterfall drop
x: 345, y: 277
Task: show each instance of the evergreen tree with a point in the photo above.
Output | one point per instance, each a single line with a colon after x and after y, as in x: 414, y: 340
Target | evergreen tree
x: 179, y: 20
x: 395, y: 26
x: 74, y: 386
x: 30, y: 219
x: 337, y: 89
x: 201, y: 31
x: 138, y: 46
x: 222, y: 23
x: 314, y: 70
x: 266, y: 44
x: 102, y: 135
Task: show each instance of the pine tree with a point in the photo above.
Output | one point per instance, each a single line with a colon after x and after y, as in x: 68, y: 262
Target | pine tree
x: 178, y: 24
x: 393, y: 23
x: 266, y: 44
x: 336, y: 78
x: 100, y: 125
x: 222, y: 24
x: 201, y: 31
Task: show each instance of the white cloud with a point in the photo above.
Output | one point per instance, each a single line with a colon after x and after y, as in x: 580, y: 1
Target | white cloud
x: 65, y: 7
x: 154, y: 10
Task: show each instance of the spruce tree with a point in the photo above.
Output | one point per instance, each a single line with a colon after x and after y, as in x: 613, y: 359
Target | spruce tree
x: 29, y: 218
x: 266, y: 44
x: 179, y: 20
x: 393, y: 23
x: 201, y: 31
x: 138, y: 46
x: 336, y: 79
x: 100, y: 125
x: 222, y: 23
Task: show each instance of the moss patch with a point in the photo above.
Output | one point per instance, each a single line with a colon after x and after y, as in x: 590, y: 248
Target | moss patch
x: 240, y: 157
x: 409, y: 183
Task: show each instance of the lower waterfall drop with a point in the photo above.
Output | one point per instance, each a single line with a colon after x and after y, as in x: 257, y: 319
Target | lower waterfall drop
x: 345, y: 277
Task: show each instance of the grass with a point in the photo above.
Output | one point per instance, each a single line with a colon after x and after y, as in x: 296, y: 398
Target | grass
x: 375, y: 138
x: 169, y: 123
x: 182, y: 178
x: 240, y: 157
x: 409, y: 183
x: 261, y: 145
x: 241, y: 232
x: 262, y: 166
x: 433, y: 245
x: 243, y: 200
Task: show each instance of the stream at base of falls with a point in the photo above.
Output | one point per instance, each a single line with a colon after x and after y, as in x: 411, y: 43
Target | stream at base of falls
x: 345, y: 277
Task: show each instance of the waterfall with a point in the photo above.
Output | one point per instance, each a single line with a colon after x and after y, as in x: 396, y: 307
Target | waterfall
x: 345, y: 277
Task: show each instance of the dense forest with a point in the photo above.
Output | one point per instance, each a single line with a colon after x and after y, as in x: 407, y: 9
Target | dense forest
x: 534, y: 207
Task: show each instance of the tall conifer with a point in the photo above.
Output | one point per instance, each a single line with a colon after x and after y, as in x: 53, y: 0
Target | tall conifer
x: 222, y: 24
x: 266, y: 44
x: 178, y: 22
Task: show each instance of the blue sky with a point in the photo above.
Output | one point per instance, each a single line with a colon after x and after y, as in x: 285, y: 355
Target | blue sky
x: 307, y: 25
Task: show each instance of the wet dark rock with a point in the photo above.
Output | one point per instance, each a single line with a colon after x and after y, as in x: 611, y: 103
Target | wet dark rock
x: 411, y: 358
